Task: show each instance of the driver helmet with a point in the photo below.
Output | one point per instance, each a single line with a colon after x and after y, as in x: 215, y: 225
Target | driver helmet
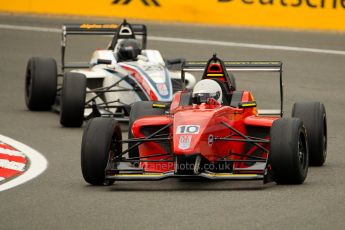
x: 206, y: 89
x: 127, y: 49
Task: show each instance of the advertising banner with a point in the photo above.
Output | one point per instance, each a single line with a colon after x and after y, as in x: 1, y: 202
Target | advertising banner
x: 300, y: 14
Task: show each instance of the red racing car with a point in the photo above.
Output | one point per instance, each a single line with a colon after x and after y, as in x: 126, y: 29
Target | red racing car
x: 214, y: 132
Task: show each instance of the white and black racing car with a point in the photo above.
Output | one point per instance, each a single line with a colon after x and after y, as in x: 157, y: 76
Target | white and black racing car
x: 115, y: 77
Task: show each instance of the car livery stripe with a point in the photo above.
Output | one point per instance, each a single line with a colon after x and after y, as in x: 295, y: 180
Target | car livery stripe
x: 130, y: 80
x: 144, y: 79
x: 139, y: 78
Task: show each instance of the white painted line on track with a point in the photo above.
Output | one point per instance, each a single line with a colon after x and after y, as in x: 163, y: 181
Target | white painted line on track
x: 248, y: 45
x: 37, y: 165
x: 197, y: 41
x: 30, y: 28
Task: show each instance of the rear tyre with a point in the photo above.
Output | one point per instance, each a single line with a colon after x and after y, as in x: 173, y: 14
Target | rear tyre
x: 289, y: 151
x: 140, y: 109
x: 99, y: 145
x: 40, y: 83
x: 73, y: 100
x: 313, y: 115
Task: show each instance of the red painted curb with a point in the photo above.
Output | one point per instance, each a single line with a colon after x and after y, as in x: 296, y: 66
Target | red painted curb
x: 12, y: 162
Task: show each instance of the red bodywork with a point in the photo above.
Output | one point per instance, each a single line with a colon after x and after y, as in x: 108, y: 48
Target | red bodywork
x: 194, y: 130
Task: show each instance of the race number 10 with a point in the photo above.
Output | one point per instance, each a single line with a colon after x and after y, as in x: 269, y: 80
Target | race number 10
x: 187, y: 129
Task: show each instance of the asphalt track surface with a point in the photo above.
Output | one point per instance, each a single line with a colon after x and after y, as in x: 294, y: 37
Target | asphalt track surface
x: 60, y: 199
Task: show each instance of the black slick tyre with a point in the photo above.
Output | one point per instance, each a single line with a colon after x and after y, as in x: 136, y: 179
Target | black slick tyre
x: 313, y: 115
x: 73, y: 99
x: 288, y: 156
x: 99, y: 145
x: 40, y: 83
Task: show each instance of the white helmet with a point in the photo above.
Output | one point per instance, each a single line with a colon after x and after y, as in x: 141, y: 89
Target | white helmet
x: 205, y: 89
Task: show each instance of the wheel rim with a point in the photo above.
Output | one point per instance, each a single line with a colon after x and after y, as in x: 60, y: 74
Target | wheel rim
x: 114, y: 151
x: 115, y: 147
x: 302, y: 151
x: 324, y: 137
x: 28, y: 82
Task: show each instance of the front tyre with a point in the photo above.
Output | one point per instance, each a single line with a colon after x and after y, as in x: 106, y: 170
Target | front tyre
x: 313, y: 115
x: 40, y: 83
x: 100, y: 144
x: 289, y: 155
x: 73, y: 99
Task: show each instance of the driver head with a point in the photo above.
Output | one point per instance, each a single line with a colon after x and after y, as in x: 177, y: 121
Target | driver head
x: 206, y: 89
x: 127, y: 49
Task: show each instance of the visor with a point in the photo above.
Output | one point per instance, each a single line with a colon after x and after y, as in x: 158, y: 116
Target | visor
x: 199, y: 98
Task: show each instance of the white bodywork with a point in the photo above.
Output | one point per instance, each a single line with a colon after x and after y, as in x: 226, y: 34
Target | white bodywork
x: 156, y: 78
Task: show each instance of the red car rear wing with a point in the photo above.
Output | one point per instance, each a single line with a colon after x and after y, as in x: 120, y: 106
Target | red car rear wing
x: 98, y: 29
x: 235, y: 66
x: 241, y: 66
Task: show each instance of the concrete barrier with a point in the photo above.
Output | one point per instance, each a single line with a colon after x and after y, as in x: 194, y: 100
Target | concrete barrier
x: 300, y: 14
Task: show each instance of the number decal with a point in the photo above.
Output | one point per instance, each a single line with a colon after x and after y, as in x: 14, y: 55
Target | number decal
x: 187, y: 129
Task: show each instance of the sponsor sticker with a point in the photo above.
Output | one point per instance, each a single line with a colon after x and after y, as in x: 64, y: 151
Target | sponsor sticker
x: 210, y: 139
x: 98, y: 26
x: 162, y: 89
x: 184, y: 141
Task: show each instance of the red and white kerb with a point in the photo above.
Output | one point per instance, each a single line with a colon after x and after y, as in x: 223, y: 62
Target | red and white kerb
x: 12, y: 162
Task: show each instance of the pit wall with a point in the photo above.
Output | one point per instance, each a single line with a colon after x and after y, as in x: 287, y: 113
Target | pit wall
x: 295, y: 14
